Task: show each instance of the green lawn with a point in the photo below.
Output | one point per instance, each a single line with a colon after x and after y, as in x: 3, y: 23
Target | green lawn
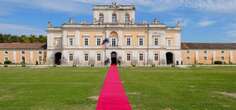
x: 147, y: 88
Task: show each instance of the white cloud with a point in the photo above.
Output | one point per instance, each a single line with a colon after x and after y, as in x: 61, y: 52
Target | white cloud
x: 19, y: 29
x: 206, y: 23
x: 220, y: 6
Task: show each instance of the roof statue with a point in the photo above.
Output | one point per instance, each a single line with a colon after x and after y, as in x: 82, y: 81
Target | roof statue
x: 49, y: 24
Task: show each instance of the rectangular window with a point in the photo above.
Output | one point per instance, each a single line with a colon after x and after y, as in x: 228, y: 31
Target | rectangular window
x: 98, y: 57
x: 114, y: 18
x: 141, y: 42
x: 71, y: 41
x: 156, y: 57
x: 113, y: 42
x: 71, y: 57
x: 128, y: 57
x: 98, y: 42
x: 156, y: 41
x: 128, y: 41
x: 205, y: 58
x: 86, y: 57
x: 141, y: 57
x: 86, y: 41
x: 169, y: 43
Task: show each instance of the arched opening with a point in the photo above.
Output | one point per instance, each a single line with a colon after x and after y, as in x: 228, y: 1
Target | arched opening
x: 57, y: 59
x: 113, y: 58
x: 169, y: 58
x: 114, y: 39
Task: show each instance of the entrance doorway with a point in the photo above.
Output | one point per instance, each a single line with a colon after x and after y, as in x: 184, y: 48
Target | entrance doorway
x: 169, y: 58
x: 57, y: 59
x: 113, y: 58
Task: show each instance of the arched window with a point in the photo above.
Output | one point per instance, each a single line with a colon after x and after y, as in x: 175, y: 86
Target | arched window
x: 101, y: 17
x: 127, y: 18
x: 114, y: 18
x: 114, y: 39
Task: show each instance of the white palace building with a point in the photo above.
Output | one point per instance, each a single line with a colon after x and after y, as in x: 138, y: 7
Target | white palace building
x: 114, y: 37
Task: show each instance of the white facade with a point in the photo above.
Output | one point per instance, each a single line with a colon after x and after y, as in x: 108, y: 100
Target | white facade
x: 136, y: 44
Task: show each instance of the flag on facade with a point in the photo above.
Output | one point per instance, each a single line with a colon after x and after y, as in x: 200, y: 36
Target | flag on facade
x: 105, y: 41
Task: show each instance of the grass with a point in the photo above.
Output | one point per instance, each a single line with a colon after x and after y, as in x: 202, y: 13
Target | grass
x: 147, y: 88
x: 49, y: 89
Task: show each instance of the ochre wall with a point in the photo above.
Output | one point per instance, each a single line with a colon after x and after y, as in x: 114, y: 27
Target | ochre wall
x: 18, y: 56
x: 211, y: 58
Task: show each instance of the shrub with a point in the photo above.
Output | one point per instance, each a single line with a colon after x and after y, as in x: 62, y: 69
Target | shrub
x: 7, y: 62
x: 153, y: 65
x: 218, y: 62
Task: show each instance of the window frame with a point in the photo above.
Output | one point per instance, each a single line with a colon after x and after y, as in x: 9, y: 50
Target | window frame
x: 114, y: 42
x: 128, y: 57
x: 141, y: 57
x: 86, y: 57
x: 156, y: 57
x: 141, y: 39
x: 100, y: 41
x: 86, y: 41
x: 99, y: 57
x: 128, y: 41
x: 71, y: 57
x: 71, y: 41
x: 114, y: 18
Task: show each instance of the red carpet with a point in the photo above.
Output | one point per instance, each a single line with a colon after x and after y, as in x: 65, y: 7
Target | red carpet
x: 113, y: 95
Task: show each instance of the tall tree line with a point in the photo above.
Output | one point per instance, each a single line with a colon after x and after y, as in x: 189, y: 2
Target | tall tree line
x: 8, y: 38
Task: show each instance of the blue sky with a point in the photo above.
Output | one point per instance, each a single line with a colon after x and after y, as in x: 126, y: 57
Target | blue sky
x: 202, y: 20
